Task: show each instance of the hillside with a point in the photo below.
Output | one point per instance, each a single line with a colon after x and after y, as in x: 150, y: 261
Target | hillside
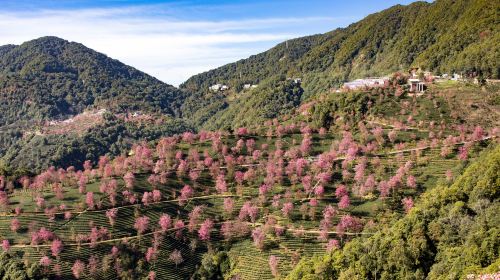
x: 451, y: 233
x: 344, y: 171
x: 50, y: 80
x: 444, y: 36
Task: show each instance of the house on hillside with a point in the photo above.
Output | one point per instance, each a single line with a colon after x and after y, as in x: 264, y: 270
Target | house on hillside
x: 249, y: 86
x: 366, y: 83
x: 416, y: 85
x: 218, y: 87
x: 418, y: 78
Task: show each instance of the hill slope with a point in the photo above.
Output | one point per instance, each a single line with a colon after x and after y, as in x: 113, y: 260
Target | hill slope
x: 444, y: 36
x: 450, y: 233
x: 50, y: 80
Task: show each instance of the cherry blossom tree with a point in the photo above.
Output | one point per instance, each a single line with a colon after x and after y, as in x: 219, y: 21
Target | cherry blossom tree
x: 333, y: 244
x: 258, y: 237
x: 111, y: 215
x: 287, y: 209
x: 129, y: 180
x: 341, y: 191
x: 78, y: 269
x: 45, y: 261
x: 411, y: 182
x: 349, y: 223
x: 205, y: 228
x: 220, y: 184
x: 178, y: 227
x: 151, y: 254
x: 186, y: 193
x: 228, y: 206
x: 248, y: 210
x: 141, y: 224
x: 56, y: 247
x: 5, y: 245
x: 273, y: 265
x: 344, y: 202
x: 15, y: 225
x: 176, y: 257
x: 89, y: 199
x: 407, y: 203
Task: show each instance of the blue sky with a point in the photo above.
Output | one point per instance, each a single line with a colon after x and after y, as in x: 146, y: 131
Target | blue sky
x: 173, y: 40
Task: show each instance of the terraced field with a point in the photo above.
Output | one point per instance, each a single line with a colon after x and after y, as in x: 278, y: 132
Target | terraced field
x: 289, y: 201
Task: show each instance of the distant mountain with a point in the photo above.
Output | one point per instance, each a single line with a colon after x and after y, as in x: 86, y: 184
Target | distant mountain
x: 444, y: 36
x: 51, y: 78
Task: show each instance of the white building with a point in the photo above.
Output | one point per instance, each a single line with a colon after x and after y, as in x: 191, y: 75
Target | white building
x: 365, y: 83
x: 218, y: 87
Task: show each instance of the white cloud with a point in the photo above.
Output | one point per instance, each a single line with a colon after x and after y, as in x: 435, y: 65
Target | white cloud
x: 170, y: 49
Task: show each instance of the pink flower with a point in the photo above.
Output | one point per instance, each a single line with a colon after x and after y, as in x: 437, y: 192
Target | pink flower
x: 56, y: 247
x: 78, y: 269
x: 273, y: 264
x: 45, y: 261
x: 6, y: 245
x: 344, y: 202
x: 141, y: 224
x: 204, y: 231
x: 165, y: 222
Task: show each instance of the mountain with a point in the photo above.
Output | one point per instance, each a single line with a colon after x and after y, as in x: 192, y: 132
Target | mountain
x: 50, y: 82
x: 51, y: 78
x: 444, y: 36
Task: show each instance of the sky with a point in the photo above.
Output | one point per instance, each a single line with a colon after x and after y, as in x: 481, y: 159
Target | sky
x: 173, y: 40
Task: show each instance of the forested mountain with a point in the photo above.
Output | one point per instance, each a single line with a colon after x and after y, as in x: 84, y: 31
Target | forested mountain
x: 52, y: 80
x: 444, y: 36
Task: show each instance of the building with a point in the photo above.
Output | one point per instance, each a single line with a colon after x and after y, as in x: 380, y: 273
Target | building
x: 249, y: 86
x: 366, y: 83
x: 218, y: 87
x: 416, y: 85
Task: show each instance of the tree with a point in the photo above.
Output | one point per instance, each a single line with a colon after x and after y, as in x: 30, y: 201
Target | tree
x: 165, y: 222
x: 341, y: 191
x: 89, y: 199
x: 332, y: 245
x: 129, y: 179
x: 5, y: 245
x: 45, y: 261
x: 205, y: 228
x: 407, y: 203
x: 228, y: 206
x: 411, y: 182
x: 56, y: 247
x: 273, y: 265
x: 186, y: 193
x: 287, y: 209
x: 176, y: 257
x: 258, y: 237
x: 111, y: 214
x: 344, y: 202
x: 349, y: 223
x: 141, y: 224
x: 78, y: 269
x: 15, y: 225
x: 220, y: 184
